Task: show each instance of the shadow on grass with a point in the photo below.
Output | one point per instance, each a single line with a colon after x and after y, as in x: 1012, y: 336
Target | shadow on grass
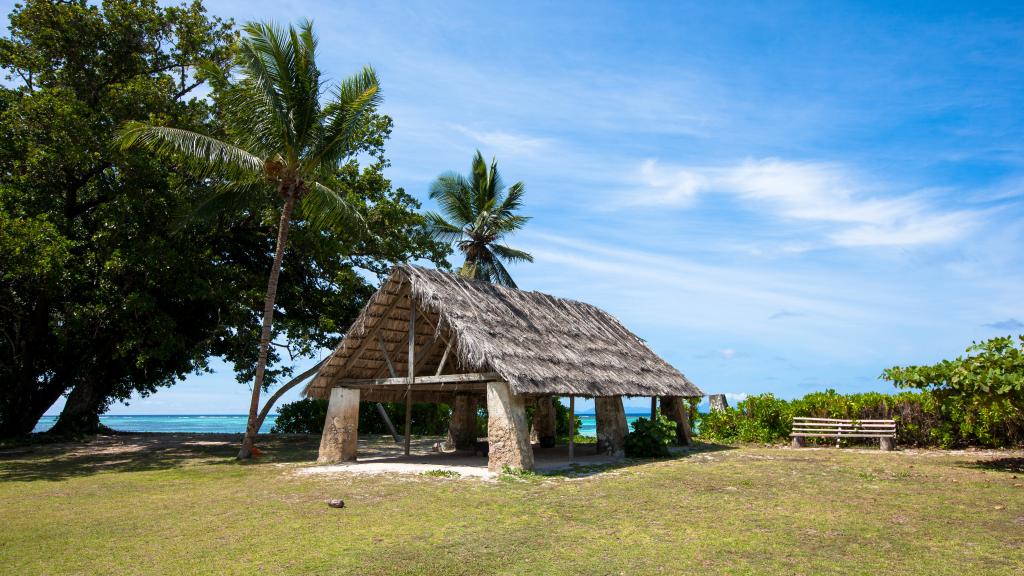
x: 143, y: 452
x: 1015, y: 465
x: 583, y: 470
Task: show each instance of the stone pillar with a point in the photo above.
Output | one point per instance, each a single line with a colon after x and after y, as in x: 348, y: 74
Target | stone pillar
x: 544, y: 422
x: 677, y: 409
x: 799, y: 442
x: 462, y: 427
x: 887, y: 444
x: 341, y: 430
x: 718, y: 402
x: 508, y: 435
x: 611, y: 425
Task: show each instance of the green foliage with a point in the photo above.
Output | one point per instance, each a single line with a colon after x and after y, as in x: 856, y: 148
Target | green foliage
x: 441, y: 473
x: 923, y: 418
x: 650, y: 438
x: 307, y: 416
x: 992, y: 372
x: 477, y: 214
x: 107, y: 289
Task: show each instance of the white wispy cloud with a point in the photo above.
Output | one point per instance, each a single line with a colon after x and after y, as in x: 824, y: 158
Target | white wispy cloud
x: 504, y: 143
x: 861, y: 213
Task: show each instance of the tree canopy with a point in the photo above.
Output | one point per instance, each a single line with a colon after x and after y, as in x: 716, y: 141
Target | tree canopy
x: 991, y: 372
x: 107, y: 288
x: 477, y: 214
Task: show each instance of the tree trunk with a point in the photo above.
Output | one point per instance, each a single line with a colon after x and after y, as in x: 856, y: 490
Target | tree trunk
x: 81, y: 413
x: 268, y: 319
x: 280, y: 391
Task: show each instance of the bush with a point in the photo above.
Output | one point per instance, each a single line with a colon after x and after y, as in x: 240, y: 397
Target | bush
x: 650, y: 439
x: 923, y: 418
x: 307, y: 416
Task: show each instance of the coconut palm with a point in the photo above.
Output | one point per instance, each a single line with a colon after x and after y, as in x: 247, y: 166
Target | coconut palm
x: 281, y: 140
x: 478, y: 213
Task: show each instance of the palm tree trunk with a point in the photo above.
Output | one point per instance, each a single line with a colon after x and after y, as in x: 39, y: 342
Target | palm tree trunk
x: 268, y: 319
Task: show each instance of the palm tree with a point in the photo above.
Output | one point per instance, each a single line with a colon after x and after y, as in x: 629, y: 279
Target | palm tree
x: 478, y: 214
x: 281, y: 140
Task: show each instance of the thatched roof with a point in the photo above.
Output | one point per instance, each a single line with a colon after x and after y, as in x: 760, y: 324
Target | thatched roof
x: 538, y: 343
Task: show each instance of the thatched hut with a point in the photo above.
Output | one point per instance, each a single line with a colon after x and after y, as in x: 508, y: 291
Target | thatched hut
x: 430, y: 336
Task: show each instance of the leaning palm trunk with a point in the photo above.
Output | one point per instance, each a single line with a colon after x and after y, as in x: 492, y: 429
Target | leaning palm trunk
x: 252, y: 426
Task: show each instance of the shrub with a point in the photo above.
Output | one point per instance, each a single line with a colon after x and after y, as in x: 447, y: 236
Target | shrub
x: 923, y: 418
x: 307, y: 416
x: 650, y: 439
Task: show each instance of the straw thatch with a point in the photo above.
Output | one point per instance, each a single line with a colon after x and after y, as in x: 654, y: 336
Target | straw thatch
x: 537, y: 343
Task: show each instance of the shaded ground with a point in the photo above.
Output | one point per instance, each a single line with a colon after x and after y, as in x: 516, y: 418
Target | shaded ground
x: 155, y: 503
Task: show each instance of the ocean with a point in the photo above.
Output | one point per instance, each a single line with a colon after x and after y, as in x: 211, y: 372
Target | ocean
x: 235, y: 423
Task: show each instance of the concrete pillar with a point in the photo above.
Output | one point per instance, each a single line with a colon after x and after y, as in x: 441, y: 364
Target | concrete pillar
x: 887, y: 444
x: 611, y: 425
x: 544, y: 422
x: 508, y: 435
x: 718, y: 402
x: 341, y: 430
x: 676, y: 409
x: 462, y: 427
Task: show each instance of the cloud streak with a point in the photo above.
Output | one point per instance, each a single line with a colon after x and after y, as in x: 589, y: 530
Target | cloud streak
x: 859, y: 214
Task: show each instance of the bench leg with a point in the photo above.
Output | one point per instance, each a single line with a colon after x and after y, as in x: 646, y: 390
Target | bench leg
x: 887, y: 444
x: 799, y: 442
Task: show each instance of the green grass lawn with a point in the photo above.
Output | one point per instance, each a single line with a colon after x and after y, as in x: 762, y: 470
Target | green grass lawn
x: 143, y: 505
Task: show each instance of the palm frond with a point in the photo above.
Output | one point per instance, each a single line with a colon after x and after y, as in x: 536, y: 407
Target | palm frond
x: 269, y: 46
x: 513, y: 199
x: 354, y: 100
x: 455, y: 197
x: 442, y: 230
x: 203, y: 155
x: 224, y: 199
x: 498, y: 274
x: 327, y: 209
x: 263, y: 101
x: 511, y: 254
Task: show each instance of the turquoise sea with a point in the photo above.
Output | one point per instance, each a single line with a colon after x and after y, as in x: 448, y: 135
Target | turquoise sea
x: 233, y: 423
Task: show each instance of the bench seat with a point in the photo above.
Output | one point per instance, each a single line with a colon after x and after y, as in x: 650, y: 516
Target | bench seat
x: 884, y: 430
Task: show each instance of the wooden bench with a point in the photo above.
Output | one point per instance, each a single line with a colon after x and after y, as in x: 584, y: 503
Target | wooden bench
x: 884, y: 430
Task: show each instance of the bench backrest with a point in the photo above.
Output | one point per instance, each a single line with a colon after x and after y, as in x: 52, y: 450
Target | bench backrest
x: 836, y: 428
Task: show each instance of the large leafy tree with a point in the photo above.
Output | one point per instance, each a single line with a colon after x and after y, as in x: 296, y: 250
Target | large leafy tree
x: 992, y: 372
x: 281, y: 140
x: 96, y: 298
x: 477, y: 214
x: 107, y: 290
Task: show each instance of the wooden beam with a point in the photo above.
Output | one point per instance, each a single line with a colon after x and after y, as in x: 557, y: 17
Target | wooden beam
x: 387, y: 357
x: 444, y: 358
x: 425, y: 354
x: 654, y: 408
x: 369, y: 337
x: 440, y: 379
x: 411, y: 362
x: 572, y: 425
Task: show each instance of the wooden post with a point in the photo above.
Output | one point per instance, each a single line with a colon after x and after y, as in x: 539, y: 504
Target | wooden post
x: 611, y: 425
x: 341, y: 429
x: 718, y: 402
x: 412, y: 373
x: 508, y: 435
x: 380, y: 407
x: 462, y: 427
x: 654, y: 408
x: 676, y: 409
x: 544, y: 422
x: 572, y: 425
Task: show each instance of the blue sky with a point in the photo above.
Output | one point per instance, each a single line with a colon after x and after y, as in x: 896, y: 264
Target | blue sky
x: 778, y: 200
